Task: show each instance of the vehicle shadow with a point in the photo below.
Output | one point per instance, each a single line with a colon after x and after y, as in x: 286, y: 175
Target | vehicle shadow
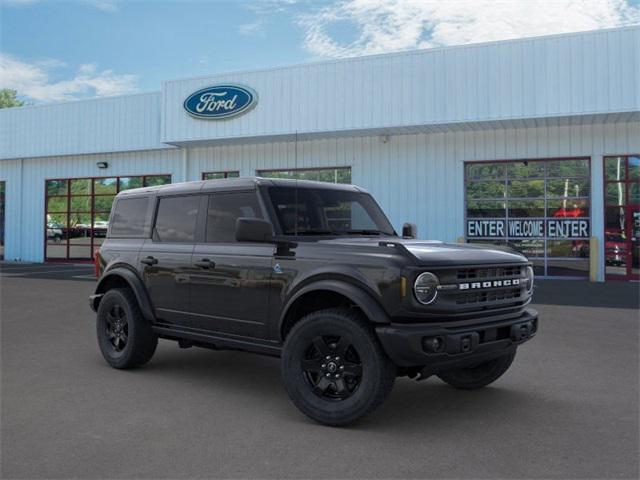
x: 256, y: 380
x: 587, y: 294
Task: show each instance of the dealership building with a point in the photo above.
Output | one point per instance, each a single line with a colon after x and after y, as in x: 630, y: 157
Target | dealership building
x: 534, y: 142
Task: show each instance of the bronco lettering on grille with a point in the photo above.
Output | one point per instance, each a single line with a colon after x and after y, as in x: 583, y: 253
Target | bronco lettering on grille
x: 489, y: 284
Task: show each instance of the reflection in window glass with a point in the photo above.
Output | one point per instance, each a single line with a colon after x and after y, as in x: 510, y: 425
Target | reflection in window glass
x: 568, y: 248
x: 176, y: 219
x: 568, y: 168
x: 80, y: 186
x: 57, y: 204
x: 80, y: 204
x: 525, y: 208
x: 485, y: 171
x: 157, y: 180
x: 127, y: 183
x: 102, y: 203
x: 536, y: 193
x: 525, y: 169
x: 568, y: 208
x: 485, y: 190
x: 526, y: 189
x: 530, y: 248
x: 56, y: 187
x: 129, y: 217
x: 615, y: 194
x: 634, y: 168
x: 485, y: 209
x: 224, y: 210
x: 219, y: 175
x: 105, y: 186
x: 634, y: 194
x: 331, y: 175
x: 615, y: 220
x: 614, y: 168
x: 568, y: 188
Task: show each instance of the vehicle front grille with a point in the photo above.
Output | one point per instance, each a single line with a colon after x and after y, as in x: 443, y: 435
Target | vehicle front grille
x: 487, y: 297
x: 493, y: 272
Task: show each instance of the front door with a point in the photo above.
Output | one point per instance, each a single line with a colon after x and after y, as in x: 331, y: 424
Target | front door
x: 231, y: 284
x: 165, y: 260
x: 622, y: 217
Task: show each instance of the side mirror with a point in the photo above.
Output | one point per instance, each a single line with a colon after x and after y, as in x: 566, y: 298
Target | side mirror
x: 409, y: 230
x: 253, y: 230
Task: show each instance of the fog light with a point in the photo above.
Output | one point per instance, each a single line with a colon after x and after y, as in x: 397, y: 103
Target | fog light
x: 433, y: 344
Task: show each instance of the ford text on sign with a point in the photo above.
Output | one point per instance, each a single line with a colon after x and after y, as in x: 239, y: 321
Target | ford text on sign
x: 525, y: 228
x: 220, y: 102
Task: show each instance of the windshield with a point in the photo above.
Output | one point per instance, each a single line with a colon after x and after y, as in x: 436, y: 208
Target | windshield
x: 324, y: 211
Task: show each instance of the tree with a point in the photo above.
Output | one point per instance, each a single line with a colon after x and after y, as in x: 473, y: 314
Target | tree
x: 8, y: 98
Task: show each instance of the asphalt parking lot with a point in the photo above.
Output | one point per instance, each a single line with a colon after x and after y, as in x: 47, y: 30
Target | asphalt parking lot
x: 568, y: 408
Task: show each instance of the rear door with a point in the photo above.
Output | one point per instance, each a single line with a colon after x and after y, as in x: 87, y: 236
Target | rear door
x: 230, y: 288
x: 165, y: 259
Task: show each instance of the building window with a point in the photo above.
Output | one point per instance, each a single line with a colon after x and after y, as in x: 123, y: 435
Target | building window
x: 622, y: 217
x: 330, y: 175
x: 219, y: 175
x: 77, y: 212
x: 540, y: 207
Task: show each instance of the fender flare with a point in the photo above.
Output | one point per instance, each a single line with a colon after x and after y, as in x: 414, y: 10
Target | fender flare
x: 358, y: 295
x: 136, y: 285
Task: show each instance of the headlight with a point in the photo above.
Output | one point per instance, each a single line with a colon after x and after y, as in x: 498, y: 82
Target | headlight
x: 529, y: 279
x: 425, y: 288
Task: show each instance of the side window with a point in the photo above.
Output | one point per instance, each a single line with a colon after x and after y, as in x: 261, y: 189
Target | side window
x: 129, y: 217
x: 225, y: 209
x: 176, y: 219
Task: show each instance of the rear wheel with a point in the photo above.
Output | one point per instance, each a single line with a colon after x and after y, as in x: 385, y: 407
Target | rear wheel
x: 480, y: 375
x: 334, y: 368
x: 124, y: 336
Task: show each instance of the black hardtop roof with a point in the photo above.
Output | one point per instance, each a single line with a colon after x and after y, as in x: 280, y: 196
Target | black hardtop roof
x: 230, y: 184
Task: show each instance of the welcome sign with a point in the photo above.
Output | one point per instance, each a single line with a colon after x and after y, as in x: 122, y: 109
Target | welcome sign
x: 528, y: 228
x: 220, y: 102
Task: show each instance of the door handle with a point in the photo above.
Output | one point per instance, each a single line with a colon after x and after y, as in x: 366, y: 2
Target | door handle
x: 149, y: 261
x: 205, y: 263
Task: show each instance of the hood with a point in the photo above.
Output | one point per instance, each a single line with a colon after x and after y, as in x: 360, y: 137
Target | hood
x: 435, y: 253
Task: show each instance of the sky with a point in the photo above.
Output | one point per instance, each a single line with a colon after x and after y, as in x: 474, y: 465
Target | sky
x: 55, y: 50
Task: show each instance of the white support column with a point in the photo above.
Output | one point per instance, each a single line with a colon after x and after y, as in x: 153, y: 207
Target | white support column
x: 597, y: 210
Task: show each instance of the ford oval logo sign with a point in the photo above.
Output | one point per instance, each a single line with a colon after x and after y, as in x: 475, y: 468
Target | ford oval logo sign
x: 220, y: 101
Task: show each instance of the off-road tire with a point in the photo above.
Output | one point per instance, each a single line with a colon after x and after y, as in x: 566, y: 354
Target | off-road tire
x: 377, y: 372
x: 480, y: 375
x: 141, y: 341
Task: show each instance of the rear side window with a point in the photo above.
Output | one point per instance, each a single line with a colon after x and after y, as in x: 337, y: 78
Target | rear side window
x: 176, y: 219
x: 224, y: 210
x: 129, y: 217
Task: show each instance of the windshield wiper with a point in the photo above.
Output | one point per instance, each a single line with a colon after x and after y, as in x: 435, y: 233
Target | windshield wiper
x: 315, y: 232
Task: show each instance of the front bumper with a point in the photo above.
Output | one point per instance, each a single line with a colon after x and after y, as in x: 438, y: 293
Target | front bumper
x: 459, y: 344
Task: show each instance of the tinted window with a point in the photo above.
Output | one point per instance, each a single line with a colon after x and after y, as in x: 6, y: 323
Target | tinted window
x: 317, y: 211
x: 176, y: 219
x: 129, y: 217
x: 224, y: 210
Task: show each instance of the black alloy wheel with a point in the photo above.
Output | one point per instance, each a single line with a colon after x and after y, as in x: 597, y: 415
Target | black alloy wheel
x: 117, y: 327
x: 333, y: 367
x: 125, y: 338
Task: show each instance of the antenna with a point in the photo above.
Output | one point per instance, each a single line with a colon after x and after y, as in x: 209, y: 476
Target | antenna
x: 295, y: 176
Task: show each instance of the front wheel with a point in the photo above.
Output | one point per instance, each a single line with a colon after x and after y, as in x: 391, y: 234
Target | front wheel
x: 478, y: 376
x: 334, y: 368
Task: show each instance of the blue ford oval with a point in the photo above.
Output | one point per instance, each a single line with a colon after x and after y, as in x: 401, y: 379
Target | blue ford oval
x: 220, y: 101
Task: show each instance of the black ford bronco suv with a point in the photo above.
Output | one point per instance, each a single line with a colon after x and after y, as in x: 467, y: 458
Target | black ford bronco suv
x: 311, y: 272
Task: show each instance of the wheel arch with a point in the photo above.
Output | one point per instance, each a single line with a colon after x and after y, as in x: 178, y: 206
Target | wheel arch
x: 333, y: 293
x: 121, y: 277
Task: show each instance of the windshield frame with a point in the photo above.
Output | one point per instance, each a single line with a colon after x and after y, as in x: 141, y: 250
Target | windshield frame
x: 387, y: 229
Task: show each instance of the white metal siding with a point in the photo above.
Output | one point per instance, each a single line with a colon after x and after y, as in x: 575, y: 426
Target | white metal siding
x: 114, y: 124
x: 558, y: 76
